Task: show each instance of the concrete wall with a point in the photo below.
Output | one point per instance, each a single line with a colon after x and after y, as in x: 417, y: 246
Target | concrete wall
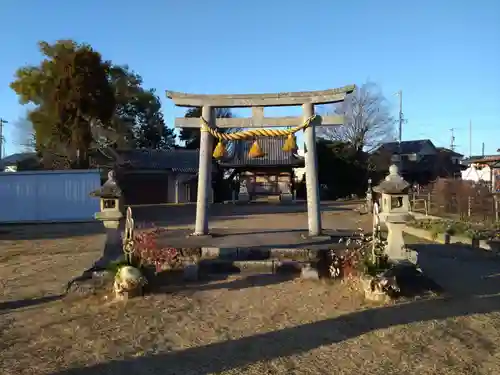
x: 48, y: 196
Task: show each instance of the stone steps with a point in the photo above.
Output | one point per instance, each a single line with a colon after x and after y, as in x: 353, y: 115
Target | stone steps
x: 288, y: 261
x: 207, y: 267
x: 265, y: 253
x: 240, y: 266
x: 261, y: 254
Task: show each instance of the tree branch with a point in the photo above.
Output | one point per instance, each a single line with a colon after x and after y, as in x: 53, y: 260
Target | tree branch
x: 368, y: 119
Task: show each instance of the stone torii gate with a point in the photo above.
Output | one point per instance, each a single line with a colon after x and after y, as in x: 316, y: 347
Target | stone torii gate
x: 306, y: 99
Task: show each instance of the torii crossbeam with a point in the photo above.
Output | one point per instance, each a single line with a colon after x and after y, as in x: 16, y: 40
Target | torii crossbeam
x: 306, y: 99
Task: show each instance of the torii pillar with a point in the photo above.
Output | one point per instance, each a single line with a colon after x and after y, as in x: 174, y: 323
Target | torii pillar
x: 306, y: 99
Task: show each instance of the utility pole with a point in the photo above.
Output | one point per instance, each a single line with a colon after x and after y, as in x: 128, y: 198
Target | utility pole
x: 400, y: 135
x: 452, y: 141
x: 470, y: 138
x: 401, y: 118
x: 2, y: 121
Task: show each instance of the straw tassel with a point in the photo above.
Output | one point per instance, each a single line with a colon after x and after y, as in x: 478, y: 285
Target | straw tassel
x: 256, y: 151
x: 220, y: 150
x: 290, y: 144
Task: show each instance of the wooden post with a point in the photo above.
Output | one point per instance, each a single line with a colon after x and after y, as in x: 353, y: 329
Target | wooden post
x: 204, y: 176
x: 312, y: 186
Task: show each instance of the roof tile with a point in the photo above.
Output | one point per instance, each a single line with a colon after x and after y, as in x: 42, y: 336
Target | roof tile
x: 407, y: 147
x: 272, y: 148
x: 177, y: 159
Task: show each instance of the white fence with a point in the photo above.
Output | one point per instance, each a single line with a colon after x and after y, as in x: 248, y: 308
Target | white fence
x: 48, y: 196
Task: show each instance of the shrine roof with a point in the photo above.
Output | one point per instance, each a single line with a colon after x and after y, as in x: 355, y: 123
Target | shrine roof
x: 177, y: 160
x: 272, y: 148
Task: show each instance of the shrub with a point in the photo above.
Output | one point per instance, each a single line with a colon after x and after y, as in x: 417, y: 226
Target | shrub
x: 456, y: 228
x: 376, y: 261
x: 147, y: 252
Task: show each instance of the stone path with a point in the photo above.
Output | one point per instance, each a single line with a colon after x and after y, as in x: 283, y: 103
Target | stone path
x: 253, y: 218
x: 255, y: 225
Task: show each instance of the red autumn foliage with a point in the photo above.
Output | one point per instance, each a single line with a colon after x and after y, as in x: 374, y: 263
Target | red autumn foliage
x: 148, y: 253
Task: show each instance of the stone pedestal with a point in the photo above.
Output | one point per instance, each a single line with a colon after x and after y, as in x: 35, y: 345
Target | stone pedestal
x: 113, y: 246
x: 395, y: 242
x: 396, y: 249
x: 243, y: 195
x: 286, y: 198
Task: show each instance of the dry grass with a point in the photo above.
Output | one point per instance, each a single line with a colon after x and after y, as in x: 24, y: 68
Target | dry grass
x: 252, y: 326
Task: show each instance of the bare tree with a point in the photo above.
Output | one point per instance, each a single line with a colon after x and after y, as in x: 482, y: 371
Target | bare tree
x: 368, y: 120
x: 24, y: 134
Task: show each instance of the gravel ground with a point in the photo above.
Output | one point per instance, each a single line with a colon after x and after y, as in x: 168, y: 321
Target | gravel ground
x: 241, y: 325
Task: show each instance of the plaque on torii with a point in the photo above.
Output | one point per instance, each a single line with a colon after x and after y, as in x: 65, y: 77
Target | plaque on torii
x: 306, y: 99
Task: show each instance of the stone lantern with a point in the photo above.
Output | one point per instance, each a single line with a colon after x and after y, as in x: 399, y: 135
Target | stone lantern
x: 111, y: 204
x: 111, y: 199
x: 394, y: 212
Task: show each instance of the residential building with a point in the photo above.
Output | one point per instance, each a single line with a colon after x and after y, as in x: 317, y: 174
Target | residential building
x: 421, y: 160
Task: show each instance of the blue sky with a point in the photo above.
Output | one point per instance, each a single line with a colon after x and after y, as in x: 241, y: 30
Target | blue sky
x: 444, y: 55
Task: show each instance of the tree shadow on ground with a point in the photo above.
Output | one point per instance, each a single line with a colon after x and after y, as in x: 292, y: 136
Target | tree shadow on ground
x: 43, y: 231
x: 19, y: 304
x: 472, y: 278
x: 460, y: 270
x: 232, y: 354
x: 172, y: 282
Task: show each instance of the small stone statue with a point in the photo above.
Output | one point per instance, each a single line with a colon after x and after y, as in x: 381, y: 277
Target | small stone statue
x: 243, y: 186
x: 128, y: 282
